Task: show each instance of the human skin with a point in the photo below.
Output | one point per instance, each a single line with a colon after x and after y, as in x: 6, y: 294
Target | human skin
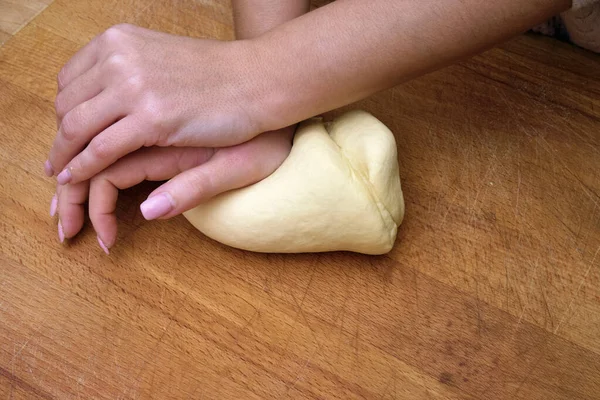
x: 201, y: 172
x: 170, y: 91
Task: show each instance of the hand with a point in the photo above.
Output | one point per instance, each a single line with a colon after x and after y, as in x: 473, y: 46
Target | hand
x: 199, y: 174
x: 131, y: 88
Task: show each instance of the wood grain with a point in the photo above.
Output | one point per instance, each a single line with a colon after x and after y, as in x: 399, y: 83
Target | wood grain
x: 491, y: 292
x: 4, y: 37
x: 14, y: 14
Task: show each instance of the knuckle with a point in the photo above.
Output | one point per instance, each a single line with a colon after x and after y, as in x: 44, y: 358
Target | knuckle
x: 114, y: 34
x: 100, y: 149
x: 135, y: 84
x: 182, y: 159
x: 60, y: 105
x: 61, y: 79
x: 69, y: 126
x: 116, y: 63
x: 78, y: 164
x: 153, y: 113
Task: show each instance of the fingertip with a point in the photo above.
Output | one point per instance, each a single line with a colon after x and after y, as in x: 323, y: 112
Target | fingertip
x: 102, y: 245
x: 61, y: 232
x: 64, y: 177
x: 106, y: 230
x: 48, y: 170
x: 53, y: 205
x: 69, y: 227
x: 157, y: 206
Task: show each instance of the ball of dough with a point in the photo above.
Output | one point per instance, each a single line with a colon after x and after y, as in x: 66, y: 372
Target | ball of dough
x: 339, y: 189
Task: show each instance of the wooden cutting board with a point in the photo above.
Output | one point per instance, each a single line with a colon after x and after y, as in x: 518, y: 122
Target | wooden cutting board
x: 492, y: 290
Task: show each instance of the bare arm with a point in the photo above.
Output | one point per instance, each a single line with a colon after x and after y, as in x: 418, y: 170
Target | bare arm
x: 255, y: 17
x: 350, y: 49
x: 166, y: 90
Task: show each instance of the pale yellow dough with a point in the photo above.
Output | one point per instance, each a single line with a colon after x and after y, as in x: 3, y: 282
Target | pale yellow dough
x: 339, y: 189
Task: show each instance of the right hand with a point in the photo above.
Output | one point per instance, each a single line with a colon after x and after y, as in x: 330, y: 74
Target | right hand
x: 132, y: 87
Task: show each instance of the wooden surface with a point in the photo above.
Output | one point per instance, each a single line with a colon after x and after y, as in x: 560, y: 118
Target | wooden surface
x: 491, y: 292
x: 14, y: 14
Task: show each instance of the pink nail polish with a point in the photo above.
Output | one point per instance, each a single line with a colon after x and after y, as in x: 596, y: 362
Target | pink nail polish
x: 103, y: 246
x: 61, y: 233
x: 64, y: 177
x: 53, y: 205
x: 156, y: 206
x: 48, y: 170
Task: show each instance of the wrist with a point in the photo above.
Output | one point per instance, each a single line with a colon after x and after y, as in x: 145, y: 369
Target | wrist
x: 253, y: 18
x: 267, y: 98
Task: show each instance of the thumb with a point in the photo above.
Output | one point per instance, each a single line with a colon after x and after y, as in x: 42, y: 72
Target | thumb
x: 229, y: 168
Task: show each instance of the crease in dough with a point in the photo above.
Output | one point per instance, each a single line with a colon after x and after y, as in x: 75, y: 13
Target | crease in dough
x: 362, y: 180
x: 339, y: 189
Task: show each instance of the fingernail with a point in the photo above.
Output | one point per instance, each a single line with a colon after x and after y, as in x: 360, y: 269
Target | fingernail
x: 102, y: 245
x: 61, y: 233
x: 156, y: 206
x: 64, y: 177
x: 53, y: 205
x: 48, y: 169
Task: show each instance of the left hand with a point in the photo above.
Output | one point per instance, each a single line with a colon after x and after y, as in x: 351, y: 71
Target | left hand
x: 198, y: 174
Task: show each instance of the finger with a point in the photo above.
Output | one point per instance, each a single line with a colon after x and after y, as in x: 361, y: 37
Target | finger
x: 81, y: 89
x: 81, y: 125
x: 54, y: 204
x: 82, y: 61
x: 48, y: 170
x: 102, y: 205
x: 230, y: 168
x: 71, y: 200
x: 118, y: 140
x: 154, y: 163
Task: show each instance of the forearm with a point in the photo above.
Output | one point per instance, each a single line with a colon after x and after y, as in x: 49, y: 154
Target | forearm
x: 350, y: 49
x: 252, y: 18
